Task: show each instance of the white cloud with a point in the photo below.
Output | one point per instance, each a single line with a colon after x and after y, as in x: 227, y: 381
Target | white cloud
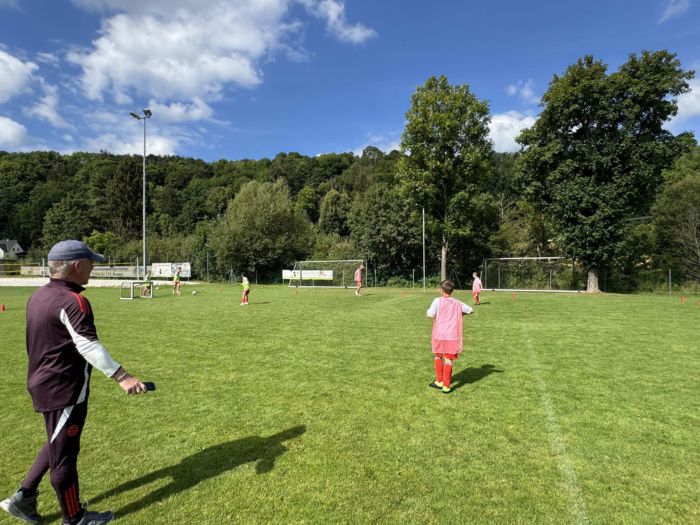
x: 12, y: 134
x: 505, y: 127
x: 178, y: 112
x: 47, y: 108
x: 9, y: 3
x: 688, y: 106
x: 673, y: 9
x: 187, y: 49
x: 176, y: 59
x: 333, y: 11
x: 385, y: 143
x: 525, y: 90
x: 119, y: 145
x: 15, y: 75
x: 48, y: 58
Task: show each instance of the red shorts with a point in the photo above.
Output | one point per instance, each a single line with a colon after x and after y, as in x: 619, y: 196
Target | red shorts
x: 446, y: 347
x: 451, y: 357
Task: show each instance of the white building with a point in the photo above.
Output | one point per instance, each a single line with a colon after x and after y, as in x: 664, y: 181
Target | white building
x: 10, y: 249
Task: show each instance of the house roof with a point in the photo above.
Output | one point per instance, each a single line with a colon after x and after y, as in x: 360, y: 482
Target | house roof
x: 10, y: 245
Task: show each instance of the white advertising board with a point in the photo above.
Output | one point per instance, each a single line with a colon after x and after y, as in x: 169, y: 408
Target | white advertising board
x: 310, y: 275
x: 167, y: 270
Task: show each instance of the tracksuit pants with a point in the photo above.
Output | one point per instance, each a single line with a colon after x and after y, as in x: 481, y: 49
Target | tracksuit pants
x: 60, y: 455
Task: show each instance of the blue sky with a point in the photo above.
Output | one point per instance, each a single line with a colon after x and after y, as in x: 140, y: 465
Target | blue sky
x: 241, y: 79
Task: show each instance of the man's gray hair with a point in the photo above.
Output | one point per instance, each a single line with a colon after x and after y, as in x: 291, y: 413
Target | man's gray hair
x: 59, y: 269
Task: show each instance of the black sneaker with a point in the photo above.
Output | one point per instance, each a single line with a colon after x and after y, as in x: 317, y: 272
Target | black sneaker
x: 95, y: 518
x: 22, y: 507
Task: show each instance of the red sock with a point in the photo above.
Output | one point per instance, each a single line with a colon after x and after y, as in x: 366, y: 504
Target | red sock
x: 447, y: 374
x: 438, y: 369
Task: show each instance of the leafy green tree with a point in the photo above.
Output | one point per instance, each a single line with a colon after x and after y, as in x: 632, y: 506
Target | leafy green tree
x: 334, y: 212
x: 121, y: 198
x: 260, y: 230
x: 676, y: 216
x: 307, y: 203
x: 386, y: 230
x: 446, y: 156
x: 105, y: 243
x: 594, y: 157
x: 67, y: 219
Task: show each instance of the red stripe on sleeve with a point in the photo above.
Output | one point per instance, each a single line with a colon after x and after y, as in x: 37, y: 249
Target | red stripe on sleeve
x: 81, y: 302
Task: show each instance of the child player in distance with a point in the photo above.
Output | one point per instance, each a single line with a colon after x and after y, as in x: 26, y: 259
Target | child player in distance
x: 358, y: 279
x: 446, y: 313
x: 246, y: 289
x: 476, y: 287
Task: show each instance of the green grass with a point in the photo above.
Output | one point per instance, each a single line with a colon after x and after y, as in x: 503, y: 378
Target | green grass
x: 313, y: 407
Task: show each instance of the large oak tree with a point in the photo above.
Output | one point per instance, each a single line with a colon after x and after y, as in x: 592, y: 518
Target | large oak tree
x: 593, y: 159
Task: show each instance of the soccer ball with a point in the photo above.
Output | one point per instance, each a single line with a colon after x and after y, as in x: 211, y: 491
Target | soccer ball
x: 194, y: 292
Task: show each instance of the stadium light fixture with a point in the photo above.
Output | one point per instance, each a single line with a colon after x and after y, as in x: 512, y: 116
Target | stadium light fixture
x: 146, y: 115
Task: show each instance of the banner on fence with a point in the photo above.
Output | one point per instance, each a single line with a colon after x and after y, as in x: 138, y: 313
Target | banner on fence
x: 167, y: 270
x: 308, y: 275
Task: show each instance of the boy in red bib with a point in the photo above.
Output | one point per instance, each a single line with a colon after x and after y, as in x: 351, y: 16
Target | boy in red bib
x: 446, y: 313
x: 476, y: 287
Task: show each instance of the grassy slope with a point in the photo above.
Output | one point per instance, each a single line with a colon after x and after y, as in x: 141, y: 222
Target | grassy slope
x: 313, y: 407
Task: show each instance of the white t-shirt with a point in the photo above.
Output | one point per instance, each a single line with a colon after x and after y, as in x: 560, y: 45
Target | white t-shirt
x: 434, y: 307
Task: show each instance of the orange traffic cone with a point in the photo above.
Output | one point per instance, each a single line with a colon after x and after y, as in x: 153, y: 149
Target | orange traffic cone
x: 512, y: 296
x: 682, y: 299
x: 2, y: 307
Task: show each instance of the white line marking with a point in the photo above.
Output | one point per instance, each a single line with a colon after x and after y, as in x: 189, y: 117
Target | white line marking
x: 556, y: 441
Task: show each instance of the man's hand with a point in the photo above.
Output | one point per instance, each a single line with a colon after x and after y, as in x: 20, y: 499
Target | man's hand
x: 132, y: 385
x: 129, y: 383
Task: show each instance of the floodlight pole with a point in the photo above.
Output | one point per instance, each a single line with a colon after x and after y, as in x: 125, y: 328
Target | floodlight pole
x: 423, y: 249
x: 146, y: 115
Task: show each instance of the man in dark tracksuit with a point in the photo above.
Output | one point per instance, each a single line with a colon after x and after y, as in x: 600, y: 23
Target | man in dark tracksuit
x: 63, y: 347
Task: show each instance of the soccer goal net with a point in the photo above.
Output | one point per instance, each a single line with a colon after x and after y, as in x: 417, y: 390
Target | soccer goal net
x: 546, y: 274
x: 324, y: 274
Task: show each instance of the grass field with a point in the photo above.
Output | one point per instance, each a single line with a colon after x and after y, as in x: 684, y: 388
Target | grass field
x: 313, y: 407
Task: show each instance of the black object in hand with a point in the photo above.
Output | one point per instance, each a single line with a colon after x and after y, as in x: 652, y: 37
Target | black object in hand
x: 149, y: 386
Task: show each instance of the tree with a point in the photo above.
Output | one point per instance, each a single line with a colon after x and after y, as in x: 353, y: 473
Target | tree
x: 121, y: 198
x: 105, y: 243
x: 260, y: 230
x: 446, y: 156
x: 676, y: 216
x: 594, y: 157
x: 385, y: 229
x: 334, y: 212
x: 67, y: 219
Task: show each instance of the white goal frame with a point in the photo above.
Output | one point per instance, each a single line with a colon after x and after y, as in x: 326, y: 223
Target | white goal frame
x: 331, y: 273
x: 496, y: 278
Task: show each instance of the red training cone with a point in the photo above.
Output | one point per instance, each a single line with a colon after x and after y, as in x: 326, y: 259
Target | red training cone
x: 683, y: 299
x: 512, y: 296
x: 2, y: 307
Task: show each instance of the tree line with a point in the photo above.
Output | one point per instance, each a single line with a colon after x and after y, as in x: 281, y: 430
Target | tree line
x: 598, y: 179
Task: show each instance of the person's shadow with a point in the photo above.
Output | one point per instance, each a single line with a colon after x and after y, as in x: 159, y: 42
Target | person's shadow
x: 204, y: 465
x: 471, y: 375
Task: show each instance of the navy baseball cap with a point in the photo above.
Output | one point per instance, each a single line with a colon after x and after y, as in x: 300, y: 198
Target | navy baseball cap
x: 71, y: 250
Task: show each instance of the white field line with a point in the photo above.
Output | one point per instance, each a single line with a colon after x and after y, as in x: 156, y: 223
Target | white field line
x: 556, y: 440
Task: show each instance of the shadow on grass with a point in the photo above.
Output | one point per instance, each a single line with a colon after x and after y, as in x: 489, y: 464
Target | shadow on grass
x: 205, y: 465
x: 472, y: 375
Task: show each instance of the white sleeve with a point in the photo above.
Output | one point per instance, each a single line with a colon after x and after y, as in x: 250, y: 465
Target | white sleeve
x: 466, y: 308
x: 92, y: 351
x: 433, y: 310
